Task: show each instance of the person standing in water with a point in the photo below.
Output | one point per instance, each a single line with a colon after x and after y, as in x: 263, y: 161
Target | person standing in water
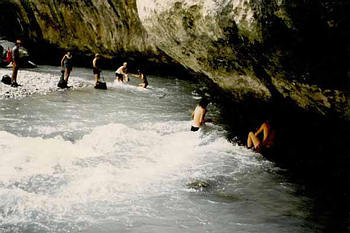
x: 67, y: 65
x: 121, y: 73
x: 96, y: 67
x: 267, y: 141
x: 143, y: 77
x: 198, y: 115
x: 15, y: 63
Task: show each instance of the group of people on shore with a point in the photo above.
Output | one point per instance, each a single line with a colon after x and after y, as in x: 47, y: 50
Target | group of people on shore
x: 66, y: 63
x: 121, y: 74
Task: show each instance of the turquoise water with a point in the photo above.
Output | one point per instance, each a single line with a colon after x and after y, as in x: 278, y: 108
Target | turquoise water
x: 124, y: 160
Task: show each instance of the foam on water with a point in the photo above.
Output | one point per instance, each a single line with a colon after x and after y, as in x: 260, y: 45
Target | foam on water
x: 126, y: 86
x: 124, y: 160
x: 114, y: 164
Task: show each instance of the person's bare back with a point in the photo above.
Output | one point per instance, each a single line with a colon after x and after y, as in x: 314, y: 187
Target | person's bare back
x: 198, y: 115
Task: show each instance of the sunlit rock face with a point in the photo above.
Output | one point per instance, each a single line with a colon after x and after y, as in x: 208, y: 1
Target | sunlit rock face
x: 253, y: 49
x: 205, y: 36
x: 260, y: 49
x: 106, y: 27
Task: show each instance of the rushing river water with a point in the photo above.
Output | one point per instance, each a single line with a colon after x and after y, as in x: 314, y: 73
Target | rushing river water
x: 124, y: 160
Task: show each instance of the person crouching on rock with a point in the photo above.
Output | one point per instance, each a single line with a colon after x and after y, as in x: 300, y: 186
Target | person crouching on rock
x: 97, y: 67
x: 267, y: 142
x: 15, y: 63
x: 67, y: 65
x: 121, y: 73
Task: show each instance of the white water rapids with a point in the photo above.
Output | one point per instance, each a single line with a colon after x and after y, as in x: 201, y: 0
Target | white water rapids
x: 124, y: 160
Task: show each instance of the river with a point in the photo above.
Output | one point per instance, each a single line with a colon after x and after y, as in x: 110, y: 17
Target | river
x: 124, y: 160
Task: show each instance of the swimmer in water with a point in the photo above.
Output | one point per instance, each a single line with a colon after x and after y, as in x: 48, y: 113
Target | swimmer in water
x: 198, y: 115
x: 143, y: 77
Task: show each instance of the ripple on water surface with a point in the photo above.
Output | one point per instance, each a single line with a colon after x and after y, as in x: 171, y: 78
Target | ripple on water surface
x: 124, y: 160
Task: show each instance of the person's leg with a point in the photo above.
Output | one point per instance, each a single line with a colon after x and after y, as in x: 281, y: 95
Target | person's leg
x: 14, y: 73
x: 252, y: 140
x: 96, y: 78
x: 119, y: 77
x: 66, y: 74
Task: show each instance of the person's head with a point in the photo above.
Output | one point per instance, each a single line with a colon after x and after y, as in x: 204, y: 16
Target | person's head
x: 68, y: 53
x: 204, y: 102
x: 125, y: 64
x: 97, y: 55
x: 18, y: 43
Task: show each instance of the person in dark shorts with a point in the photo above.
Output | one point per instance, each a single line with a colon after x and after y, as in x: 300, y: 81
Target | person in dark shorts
x: 119, y: 77
x: 121, y: 73
x: 67, y: 65
x: 96, y: 66
x: 198, y: 115
x: 15, y: 63
x: 267, y: 142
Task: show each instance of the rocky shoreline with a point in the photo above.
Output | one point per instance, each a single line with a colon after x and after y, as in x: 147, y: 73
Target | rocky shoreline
x: 33, y: 82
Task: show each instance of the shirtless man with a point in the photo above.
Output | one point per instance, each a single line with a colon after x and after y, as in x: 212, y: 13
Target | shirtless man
x: 198, y: 115
x: 96, y: 68
x: 121, y: 73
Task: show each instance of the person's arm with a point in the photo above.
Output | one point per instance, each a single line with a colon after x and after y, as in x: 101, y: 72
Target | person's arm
x: 62, y: 61
x: 135, y: 75
x: 14, y: 57
x: 210, y: 120
x: 94, y: 64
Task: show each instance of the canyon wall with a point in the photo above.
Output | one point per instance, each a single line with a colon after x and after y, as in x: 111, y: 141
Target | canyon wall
x: 293, y: 50
x: 296, y: 51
